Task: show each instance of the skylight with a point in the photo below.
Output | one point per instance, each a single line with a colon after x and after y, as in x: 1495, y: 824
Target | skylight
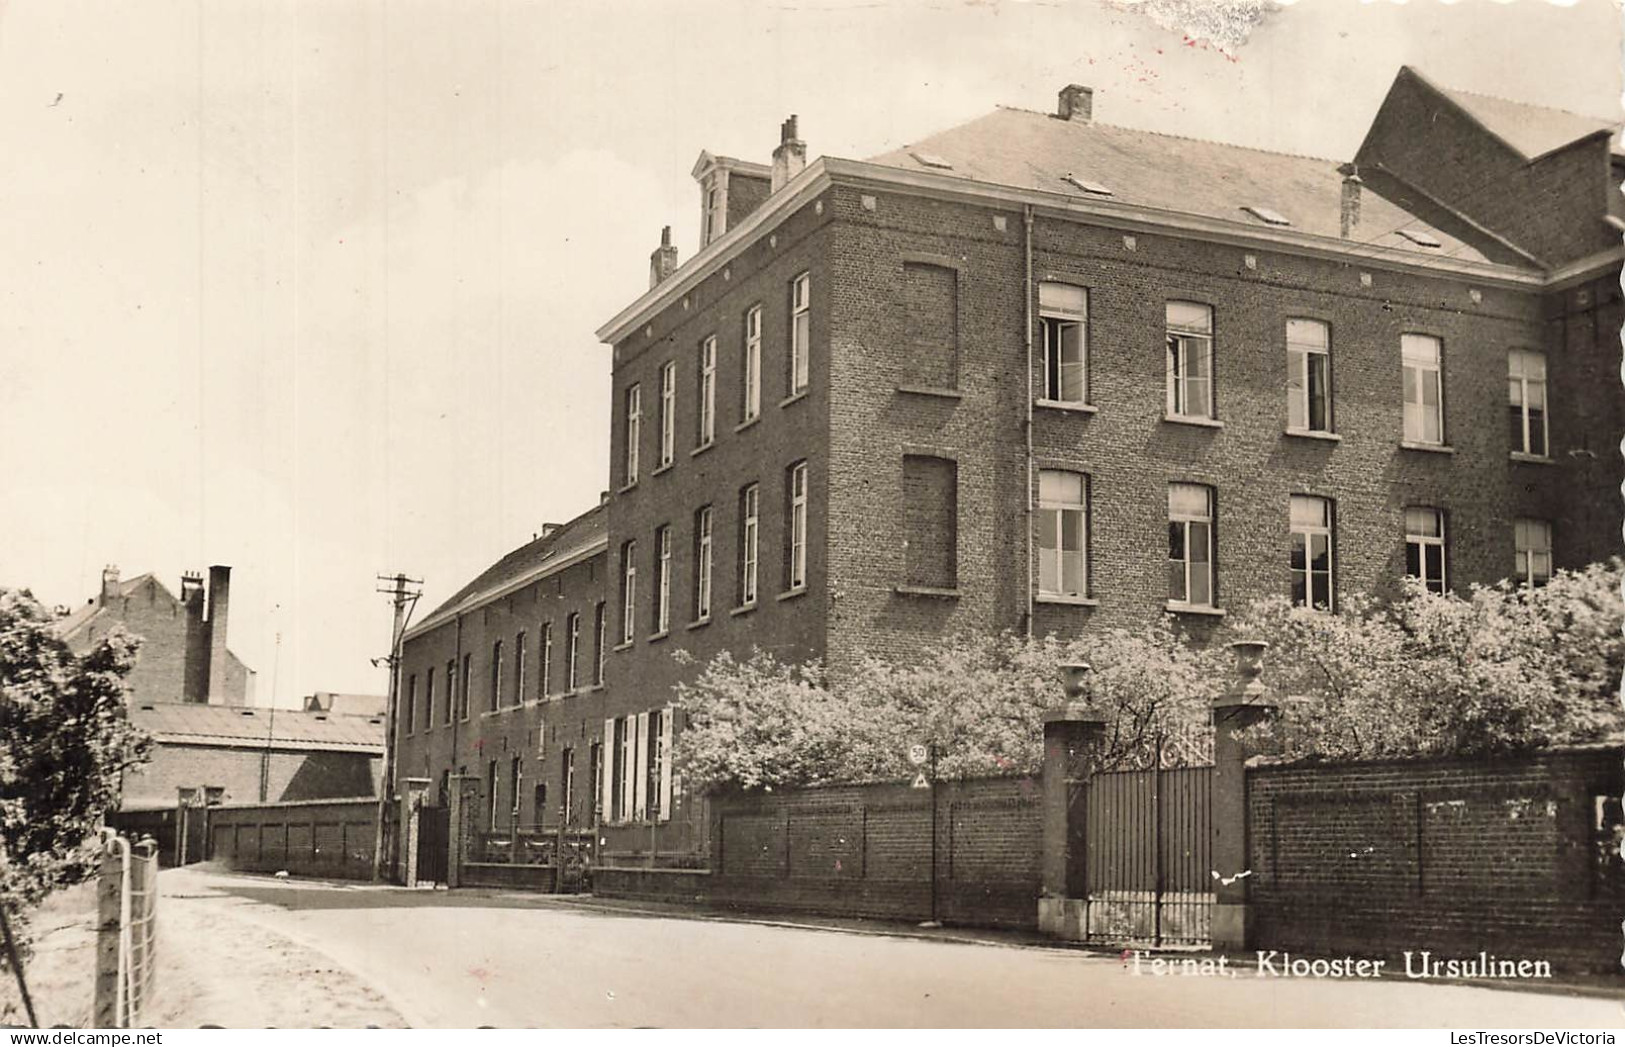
x: 1086, y: 185
x: 931, y: 160
x: 1266, y: 214
x: 1420, y: 238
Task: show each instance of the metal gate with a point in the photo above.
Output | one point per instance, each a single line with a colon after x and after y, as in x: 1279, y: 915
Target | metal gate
x: 1147, y: 847
x: 434, y: 843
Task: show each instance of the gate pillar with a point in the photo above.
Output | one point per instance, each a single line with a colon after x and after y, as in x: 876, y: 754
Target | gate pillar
x: 464, y: 802
x: 1074, y: 735
x: 413, y: 791
x: 1245, y: 704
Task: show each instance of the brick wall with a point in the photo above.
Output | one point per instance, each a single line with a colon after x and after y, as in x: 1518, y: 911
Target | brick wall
x: 332, y: 838
x: 290, y: 774
x: 1454, y: 856
x: 865, y: 851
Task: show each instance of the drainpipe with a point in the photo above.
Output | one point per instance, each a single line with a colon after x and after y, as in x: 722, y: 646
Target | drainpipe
x: 1027, y: 544
x: 453, y: 692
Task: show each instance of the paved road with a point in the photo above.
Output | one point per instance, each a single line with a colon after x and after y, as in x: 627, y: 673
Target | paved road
x: 473, y: 958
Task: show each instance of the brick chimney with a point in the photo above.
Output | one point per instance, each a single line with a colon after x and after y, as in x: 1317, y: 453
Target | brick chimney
x: 663, y: 262
x: 109, y: 583
x: 1076, y: 102
x: 1351, y: 200
x: 219, y: 609
x: 192, y: 590
x: 789, y: 157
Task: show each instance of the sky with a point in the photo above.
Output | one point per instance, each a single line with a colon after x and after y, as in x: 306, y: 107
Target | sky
x: 308, y: 287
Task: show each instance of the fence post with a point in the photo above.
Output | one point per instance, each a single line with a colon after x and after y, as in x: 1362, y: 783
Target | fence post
x: 1245, y: 704
x: 413, y: 790
x: 1073, y: 738
x: 109, y: 887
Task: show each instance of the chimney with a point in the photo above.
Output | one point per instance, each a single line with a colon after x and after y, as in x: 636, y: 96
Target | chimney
x: 663, y: 262
x: 603, y: 497
x: 1351, y: 200
x: 219, y: 609
x: 109, y: 583
x: 549, y: 529
x: 790, y: 156
x: 1076, y: 102
x: 191, y: 589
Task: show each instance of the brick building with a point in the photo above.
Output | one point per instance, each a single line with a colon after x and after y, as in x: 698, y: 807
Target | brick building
x: 1043, y: 374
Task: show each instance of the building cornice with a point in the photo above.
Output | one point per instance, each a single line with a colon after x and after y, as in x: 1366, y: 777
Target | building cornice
x: 474, y: 601
x: 1582, y: 269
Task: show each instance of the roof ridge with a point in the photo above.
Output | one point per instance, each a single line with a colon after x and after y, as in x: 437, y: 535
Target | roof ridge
x: 1447, y: 89
x: 1176, y: 137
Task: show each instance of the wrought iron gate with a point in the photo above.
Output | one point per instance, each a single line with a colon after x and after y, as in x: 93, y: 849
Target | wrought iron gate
x: 434, y: 843
x: 1148, y: 844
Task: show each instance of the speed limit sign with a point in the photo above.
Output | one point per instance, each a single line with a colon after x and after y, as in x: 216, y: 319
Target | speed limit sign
x: 917, y: 754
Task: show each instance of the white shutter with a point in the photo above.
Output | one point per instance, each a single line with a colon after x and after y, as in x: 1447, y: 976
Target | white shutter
x: 640, y: 794
x: 629, y: 767
x: 606, y: 773
x: 666, y: 717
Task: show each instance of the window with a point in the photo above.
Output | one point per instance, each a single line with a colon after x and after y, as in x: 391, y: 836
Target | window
x: 1311, y: 520
x: 800, y: 331
x: 1309, y: 373
x: 572, y: 652
x: 750, y: 403
x: 514, y: 778
x: 748, y: 526
x: 1063, y: 313
x: 600, y: 632
x: 930, y: 522
x: 708, y: 391
x: 519, y: 669
x: 411, y: 701
x: 715, y: 216
x: 668, y: 412
x: 634, y: 428
x: 662, y: 601
x: 1526, y: 393
x: 1532, y: 557
x: 1424, y: 419
x: 598, y: 780
x: 567, y: 784
x: 1190, y: 545
x: 629, y: 591
x: 451, y: 689
x: 1063, y: 533
x: 428, y: 699
x: 931, y: 315
x: 702, y: 564
x: 1424, y: 546
x: 651, y: 759
x: 545, y: 670
x: 538, y: 804
x: 494, y: 701
x: 795, y: 496
x: 1190, y: 360
x: 464, y: 686
x: 494, y: 792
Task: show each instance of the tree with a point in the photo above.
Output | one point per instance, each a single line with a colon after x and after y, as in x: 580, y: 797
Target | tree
x: 65, y: 741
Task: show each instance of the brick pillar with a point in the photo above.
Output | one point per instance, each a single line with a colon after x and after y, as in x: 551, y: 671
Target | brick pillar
x: 413, y: 791
x: 109, y: 887
x: 1073, y: 738
x: 1245, y: 704
x: 465, y: 823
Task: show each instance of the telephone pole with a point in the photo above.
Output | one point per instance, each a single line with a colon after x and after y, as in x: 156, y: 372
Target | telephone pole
x: 404, y: 593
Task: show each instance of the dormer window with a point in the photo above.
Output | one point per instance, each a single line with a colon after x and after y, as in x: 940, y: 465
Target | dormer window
x: 1267, y: 215
x: 931, y: 160
x: 716, y: 216
x: 1420, y: 238
x: 1079, y: 182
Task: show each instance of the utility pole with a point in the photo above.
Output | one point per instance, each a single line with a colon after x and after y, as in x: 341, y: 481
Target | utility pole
x: 404, y: 593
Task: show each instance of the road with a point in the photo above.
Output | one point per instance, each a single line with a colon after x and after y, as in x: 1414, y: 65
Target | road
x: 479, y: 958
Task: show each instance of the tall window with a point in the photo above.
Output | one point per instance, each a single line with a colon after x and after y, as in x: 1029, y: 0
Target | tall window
x: 519, y: 669
x: 1190, y: 545
x: 495, y: 700
x: 748, y: 525
x: 451, y: 689
x: 750, y: 403
x: 428, y: 699
x: 545, y: 670
x: 702, y: 564
x: 600, y: 633
x: 1424, y: 393
x: 514, y: 778
x: 1063, y: 533
x: 1063, y: 312
x: 1532, y: 556
x: 1190, y: 360
x: 668, y: 412
x: 494, y: 792
x: 795, y: 496
x: 1309, y: 376
x: 1424, y: 546
x: 800, y: 331
x: 1311, y: 551
x: 715, y: 217
x: 931, y: 521
x: 708, y: 391
x: 1526, y: 393
x: 464, y: 686
x: 572, y: 652
x: 411, y: 701
x: 629, y: 591
x: 662, y: 601
x: 634, y: 430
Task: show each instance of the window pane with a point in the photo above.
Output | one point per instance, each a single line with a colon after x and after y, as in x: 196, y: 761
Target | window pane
x: 1057, y: 486
x: 1188, y: 500
x: 1537, y: 431
x: 1190, y: 316
x: 1320, y: 551
x: 1297, y: 416
x: 1071, y: 365
x: 1298, y: 561
x: 1413, y: 559
x: 1201, y: 585
x: 1319, y: 392
x: 1311, y: 333
x: 1176, y: 580
x: 1063, y: 298
x: 1515, y: 428
x: 1308, y: 512
x: 1434, y: 555
x: 1072, y: 530
x: 1199, y: 542
x: 1072, y: 573
x: 1419, y: 348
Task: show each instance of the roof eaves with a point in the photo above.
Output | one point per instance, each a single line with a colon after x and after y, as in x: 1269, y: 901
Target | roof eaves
x: 548, y: 567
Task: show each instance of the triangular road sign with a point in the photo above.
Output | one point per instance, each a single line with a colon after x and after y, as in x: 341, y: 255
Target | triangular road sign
x: 920, y: 782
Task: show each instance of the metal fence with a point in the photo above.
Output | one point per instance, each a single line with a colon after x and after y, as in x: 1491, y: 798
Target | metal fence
x: 1149, y: 839
x: 126, y: 933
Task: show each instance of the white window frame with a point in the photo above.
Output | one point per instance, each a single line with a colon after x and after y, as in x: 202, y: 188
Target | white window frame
x: 545, y: 649
x: 750, y: 532
x: 798, y: 526
x: 708, y: 391
x: 703, y: 546
x: 1422, y: 364
x: 1308, y: 532
x: 1531, y: 562
x: 634, y: 431
x: 1526, y: 373
x: 1187, y: 342
x: 1183, y: 520
x: 519, y: 667
x: 668, y: 412
x: 1055, y: 317
x: 1305, y: 355
x: 1424, y: 530
x: 752, y: 378
x: 572, y: 650
x: 1053, y: 514
x: 800, y: 333
x: 662, y: 616
x: 629, y: 591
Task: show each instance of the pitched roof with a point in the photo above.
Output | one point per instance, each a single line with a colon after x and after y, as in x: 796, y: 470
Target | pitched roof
x: 533, y: 559
x: 1029, y: 150
x: 71, y: 624
x: 184, y: 723
x: 1532, y: 130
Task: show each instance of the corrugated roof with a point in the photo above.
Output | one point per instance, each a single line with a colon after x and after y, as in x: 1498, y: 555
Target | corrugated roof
x: 1533, y: 130
x: 193, y: 724
x: 1028, y: 150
